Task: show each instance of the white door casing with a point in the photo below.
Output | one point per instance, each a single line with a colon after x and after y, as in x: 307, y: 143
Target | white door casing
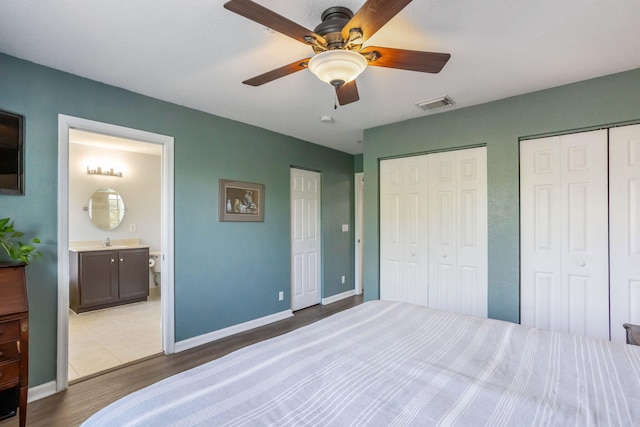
x: 404, y: 230
x: 624, y: 200
x: 564, y: 234
x: 359, y: 232
x: 458, y: 261
x: 305, y: 239
x: 65, y: 123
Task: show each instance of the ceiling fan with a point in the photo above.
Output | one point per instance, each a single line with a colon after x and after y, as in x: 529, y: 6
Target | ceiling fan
x: 338, y: 44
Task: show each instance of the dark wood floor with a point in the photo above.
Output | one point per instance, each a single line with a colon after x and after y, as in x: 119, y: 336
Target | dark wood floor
x: 74, y: 405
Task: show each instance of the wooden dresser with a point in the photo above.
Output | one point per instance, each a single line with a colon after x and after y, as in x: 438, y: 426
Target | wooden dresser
x: 14, y: 335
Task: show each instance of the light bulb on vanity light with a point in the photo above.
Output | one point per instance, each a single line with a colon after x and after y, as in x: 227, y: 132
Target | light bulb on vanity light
x: 100, y: 167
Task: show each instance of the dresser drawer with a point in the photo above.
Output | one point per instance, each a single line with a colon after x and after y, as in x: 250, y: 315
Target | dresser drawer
x: 9, y: 351
x: 9, y: 331
x: 9, y: 374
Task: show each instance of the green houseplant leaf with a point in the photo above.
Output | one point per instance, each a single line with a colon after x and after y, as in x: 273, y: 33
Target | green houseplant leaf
x: 18, y: 251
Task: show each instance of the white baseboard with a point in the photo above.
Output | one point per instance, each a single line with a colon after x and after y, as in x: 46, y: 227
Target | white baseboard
x: 216, y: 335
x: 41, y: 391
x: 338, y: 297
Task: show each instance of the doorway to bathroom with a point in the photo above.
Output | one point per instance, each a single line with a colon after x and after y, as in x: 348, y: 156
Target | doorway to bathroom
x: 115, y: 274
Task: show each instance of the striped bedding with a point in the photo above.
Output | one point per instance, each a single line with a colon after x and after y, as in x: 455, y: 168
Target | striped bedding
x: 392, y: 364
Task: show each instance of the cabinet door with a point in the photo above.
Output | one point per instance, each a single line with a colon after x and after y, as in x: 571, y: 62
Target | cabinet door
x: 98, y: 278
x: 133, y: 272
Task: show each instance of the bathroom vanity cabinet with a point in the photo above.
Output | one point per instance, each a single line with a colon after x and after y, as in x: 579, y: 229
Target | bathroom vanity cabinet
x: 106, y: 278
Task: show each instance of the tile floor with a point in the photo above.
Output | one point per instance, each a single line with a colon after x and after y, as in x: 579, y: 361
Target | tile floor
x: 103, y: 339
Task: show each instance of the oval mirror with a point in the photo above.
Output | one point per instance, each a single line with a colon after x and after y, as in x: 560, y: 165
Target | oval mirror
x: 106, y: 209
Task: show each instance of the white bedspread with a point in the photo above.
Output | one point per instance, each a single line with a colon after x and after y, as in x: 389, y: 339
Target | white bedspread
x: 392, y: 364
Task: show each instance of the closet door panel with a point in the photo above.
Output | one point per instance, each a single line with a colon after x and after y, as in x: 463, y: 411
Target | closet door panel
x: 443, y: 292
x: 564, y: 256
x: 542, y: 313
x: 433, y: 230
x: 472, y: 231
x: 391, y: 250
x: 624, y: 184
x: 584, y: 214
x: 403, y: 230
x: 540, y: 232
x: 458, y: 231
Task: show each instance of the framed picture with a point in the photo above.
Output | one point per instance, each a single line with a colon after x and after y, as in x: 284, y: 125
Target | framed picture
x: 241, y: 201
x: 11, y: 153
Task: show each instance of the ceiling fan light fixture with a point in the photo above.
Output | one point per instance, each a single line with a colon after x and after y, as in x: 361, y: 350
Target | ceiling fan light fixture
x: 337, y: 67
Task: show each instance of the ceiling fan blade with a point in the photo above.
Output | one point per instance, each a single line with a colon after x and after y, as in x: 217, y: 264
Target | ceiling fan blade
x: 277, y: 73
x: 270, y: 19
x: 425, y: 62
x: 347, y: 93
x: 372, y: 16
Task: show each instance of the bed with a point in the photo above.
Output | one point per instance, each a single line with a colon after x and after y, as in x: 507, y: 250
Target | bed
x: 386, y: 363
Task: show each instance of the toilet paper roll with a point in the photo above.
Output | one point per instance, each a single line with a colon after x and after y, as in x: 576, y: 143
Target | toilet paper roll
x: 152, y: 262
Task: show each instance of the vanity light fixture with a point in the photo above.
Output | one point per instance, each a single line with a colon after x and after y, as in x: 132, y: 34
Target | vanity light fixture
x: 94, y: 168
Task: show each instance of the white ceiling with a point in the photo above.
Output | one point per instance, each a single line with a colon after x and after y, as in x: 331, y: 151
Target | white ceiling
x: 81, y: 137
x: 196, y: 53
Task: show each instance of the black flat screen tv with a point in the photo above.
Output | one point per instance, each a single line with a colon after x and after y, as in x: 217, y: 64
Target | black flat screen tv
x: 11, y: 153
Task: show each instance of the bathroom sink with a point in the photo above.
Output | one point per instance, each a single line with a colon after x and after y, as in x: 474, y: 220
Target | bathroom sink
x: 102, y: 247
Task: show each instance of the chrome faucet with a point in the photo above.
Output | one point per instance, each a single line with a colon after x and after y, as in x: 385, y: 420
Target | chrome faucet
x: 107, y: 242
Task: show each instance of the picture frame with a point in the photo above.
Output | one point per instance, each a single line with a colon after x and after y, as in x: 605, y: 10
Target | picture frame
x: 241, y: 201
x: 11, y: 153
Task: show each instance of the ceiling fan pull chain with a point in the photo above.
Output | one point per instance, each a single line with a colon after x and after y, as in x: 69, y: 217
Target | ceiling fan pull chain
x: 335, y: 102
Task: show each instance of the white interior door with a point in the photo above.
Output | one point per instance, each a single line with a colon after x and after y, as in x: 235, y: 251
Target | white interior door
x: 305, y: 239
x: 564, y: 234
x: 359, y: 234
x: 458, y: 272
x: 403, y: 230
x: 624, y: 199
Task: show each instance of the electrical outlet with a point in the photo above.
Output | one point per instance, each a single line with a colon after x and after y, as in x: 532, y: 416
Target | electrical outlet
x: 132, y: 227
x: 343, y: 279
x: 280, y: 296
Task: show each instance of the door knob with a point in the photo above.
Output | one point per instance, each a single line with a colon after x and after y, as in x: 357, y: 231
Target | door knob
x: 444, y: 255
x: 582, y: 263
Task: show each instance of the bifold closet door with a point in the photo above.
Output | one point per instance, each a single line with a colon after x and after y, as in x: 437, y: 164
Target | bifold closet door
x: 458, y: 231
x: 433, y: 230
x: 564, y: 234
x: 624, y: 200
x: 403, y: 230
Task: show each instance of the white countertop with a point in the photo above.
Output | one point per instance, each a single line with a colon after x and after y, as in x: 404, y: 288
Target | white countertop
x: 98, y: 245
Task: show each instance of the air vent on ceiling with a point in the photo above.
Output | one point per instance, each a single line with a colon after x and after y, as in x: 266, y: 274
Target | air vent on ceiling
x: 432, y: 104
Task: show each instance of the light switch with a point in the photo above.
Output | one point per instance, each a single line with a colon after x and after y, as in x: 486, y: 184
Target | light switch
x: 132, y: 227
x: 345, y: 228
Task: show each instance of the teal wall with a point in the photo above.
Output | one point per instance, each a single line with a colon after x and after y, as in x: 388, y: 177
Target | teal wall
x: 357, y: 163
x: 499, y: 125
x: 225, y: 273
